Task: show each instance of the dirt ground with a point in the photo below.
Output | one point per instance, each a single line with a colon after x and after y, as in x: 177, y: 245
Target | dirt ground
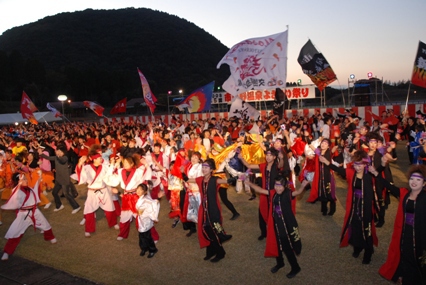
x: 103, y: 259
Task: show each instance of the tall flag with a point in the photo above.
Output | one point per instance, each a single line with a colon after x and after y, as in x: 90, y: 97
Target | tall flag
x: 257, y: 63
x: 199, y: 100
x: 98, y: 109
x: 315, y: 66
x: 280, y: 103
x: 120, y: 107
x: 242, y: 109
x: 53, y: 110
x: 419, y: 71
x: 27, y: 109
x: 147, y: 94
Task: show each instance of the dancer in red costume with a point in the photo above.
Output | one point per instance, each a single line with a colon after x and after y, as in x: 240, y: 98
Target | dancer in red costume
x: 269, y: 171
x: 323, y: 184
x: 361, y: 205
x: 211, y: 234
x: 406, y: 261
x: 128, y: 177
x: 283, y: 234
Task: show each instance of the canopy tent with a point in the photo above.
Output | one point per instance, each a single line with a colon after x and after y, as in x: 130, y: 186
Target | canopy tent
x: 41, y: 117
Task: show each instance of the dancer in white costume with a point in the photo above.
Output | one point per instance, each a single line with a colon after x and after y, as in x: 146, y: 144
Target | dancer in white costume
x: 98, y: 195
x: 24, y: 199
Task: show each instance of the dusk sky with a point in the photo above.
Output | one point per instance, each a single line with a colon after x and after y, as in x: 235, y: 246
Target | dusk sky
x: 356, y: 37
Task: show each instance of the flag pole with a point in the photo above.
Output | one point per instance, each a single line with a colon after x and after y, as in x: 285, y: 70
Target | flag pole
x: 152, y: 115
x: 408, y: 95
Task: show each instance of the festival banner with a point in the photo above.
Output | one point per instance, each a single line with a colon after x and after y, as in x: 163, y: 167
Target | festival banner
x: 27, y: 109
x: 53, y: 110
x: 292, y: 93
x: 257, y: 63
x: 98, y: 109
x: 315, y: 66
x: 198, y: 101
x: 243, y: 110
x: 419, y: 70
x: 119, y: 107
x: 147, y: 94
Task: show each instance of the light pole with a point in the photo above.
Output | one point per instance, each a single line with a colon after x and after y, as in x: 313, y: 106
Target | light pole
x: 62, y: 98
x: 351, y: 79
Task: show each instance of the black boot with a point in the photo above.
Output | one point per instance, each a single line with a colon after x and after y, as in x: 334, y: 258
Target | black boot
x: 324, y: 208
x: 293, y: 272
x: 210, y: 252
x: 332, y: 208
x: 235, y: 216
x: 276, y: 268
x: 367, y: 256
x: 191, y: 231
x: 357, y: 251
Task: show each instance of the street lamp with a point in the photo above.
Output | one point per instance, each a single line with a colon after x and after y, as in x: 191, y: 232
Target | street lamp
x: 62, y: 98
x: 352, y: 80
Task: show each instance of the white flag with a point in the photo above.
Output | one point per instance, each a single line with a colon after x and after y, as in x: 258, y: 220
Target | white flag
x: 258, y: 63
x: 243, y: 110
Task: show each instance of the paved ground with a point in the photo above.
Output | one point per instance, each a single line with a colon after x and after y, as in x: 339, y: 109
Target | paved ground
x: 19, y: 270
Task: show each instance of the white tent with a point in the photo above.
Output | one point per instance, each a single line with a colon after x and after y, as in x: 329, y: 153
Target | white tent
x: 41, y: 117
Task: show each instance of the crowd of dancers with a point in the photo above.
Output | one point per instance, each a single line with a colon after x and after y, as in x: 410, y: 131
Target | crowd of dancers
x: 128, y: 167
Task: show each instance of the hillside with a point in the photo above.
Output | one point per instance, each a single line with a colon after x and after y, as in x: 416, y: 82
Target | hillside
x: 93, y: 55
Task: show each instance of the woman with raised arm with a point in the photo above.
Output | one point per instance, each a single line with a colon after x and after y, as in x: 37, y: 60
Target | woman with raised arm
x: 406, y: 261
x: 210, y: 230
x: 24, y: 201
x: 128, y: 177
x: 283, y: 231
x: 361, y: 203
x: 323, y: 184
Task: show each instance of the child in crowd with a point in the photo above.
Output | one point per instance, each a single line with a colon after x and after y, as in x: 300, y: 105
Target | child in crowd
x: 148, y: 210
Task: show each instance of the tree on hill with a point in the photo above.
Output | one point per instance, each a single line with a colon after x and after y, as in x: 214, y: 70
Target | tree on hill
x: 93, y: 55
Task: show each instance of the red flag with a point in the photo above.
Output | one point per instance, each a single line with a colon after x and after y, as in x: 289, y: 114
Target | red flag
x: 27, y: 109
x: 98, y: 109
x: 120, y: 107
x: 147, y: 94
x: 179, y: 161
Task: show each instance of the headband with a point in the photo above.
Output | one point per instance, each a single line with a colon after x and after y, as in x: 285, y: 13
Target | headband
x: 95, y: 156
x: 417, y: 175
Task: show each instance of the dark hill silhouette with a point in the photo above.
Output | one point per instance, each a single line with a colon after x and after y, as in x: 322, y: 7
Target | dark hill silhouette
x: 93, y: 55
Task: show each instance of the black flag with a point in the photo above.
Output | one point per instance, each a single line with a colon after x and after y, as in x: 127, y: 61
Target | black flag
x: 280, y: 103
